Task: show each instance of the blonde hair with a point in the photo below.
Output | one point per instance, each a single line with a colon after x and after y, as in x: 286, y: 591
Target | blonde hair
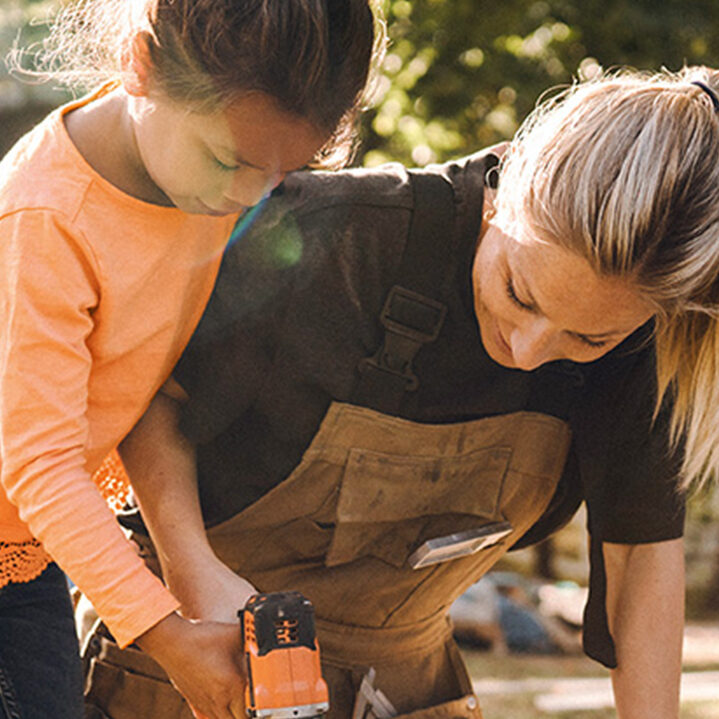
x: 624, y: 171
x: 316, y: 58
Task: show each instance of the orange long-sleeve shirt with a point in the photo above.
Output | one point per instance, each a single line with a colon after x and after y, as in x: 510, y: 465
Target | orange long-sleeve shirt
x: 99, y: 293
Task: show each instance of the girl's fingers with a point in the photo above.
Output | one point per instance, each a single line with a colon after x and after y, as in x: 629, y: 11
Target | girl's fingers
x: 237, y: 709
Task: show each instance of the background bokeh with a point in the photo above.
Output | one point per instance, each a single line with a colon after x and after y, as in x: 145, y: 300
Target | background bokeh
x: 460, y: 75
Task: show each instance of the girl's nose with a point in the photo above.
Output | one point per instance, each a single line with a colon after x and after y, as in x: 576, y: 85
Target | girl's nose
x: 249, y: 191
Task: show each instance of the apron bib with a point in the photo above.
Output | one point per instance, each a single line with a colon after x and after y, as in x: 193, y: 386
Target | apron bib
x: 368, y: 492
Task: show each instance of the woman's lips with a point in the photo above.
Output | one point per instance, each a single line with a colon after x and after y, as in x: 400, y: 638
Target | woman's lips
x: 501, y: 342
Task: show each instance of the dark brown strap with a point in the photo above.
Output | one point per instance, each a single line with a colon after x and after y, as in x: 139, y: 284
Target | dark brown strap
x: 412, y: 315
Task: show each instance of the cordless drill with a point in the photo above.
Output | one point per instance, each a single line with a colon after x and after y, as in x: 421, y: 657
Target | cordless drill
x: 283, y: 659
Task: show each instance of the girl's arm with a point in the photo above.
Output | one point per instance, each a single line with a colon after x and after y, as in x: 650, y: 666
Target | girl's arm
x: 645, y: 606
x: 49, y: 293
x: 161, y: 464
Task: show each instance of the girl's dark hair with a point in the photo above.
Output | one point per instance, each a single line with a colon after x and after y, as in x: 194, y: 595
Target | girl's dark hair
x: 314, y: 57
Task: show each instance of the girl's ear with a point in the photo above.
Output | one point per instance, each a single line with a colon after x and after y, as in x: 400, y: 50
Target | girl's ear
x: 137, y: 65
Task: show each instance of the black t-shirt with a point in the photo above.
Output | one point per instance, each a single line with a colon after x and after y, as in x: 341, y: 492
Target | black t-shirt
x: 296, y: 307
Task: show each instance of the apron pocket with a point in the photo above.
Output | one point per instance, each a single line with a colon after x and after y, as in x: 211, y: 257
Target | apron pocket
x: 466, y: 707
x: 116, y: 691
x: 389, y: 504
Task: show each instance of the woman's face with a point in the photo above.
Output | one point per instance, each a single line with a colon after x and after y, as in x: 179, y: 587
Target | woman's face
x: 537, y: 302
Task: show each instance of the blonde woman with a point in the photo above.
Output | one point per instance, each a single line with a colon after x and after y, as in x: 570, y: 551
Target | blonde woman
x: 440, y: 359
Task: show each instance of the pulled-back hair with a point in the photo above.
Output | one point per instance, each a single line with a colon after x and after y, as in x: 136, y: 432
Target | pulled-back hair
x: 314, y: 57
x: 624, y: 171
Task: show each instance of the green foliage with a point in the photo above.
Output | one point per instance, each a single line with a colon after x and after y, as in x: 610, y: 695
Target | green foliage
x: 23, y: 23
x: 462, y: 74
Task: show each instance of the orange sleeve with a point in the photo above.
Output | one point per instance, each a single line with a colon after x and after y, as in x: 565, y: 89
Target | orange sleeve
x: 48, y: 290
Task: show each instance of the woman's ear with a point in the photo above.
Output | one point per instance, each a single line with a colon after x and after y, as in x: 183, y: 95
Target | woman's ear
x: 137, y: 65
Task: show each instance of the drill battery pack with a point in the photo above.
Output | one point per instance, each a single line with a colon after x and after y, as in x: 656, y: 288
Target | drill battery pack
x: 283, y: 660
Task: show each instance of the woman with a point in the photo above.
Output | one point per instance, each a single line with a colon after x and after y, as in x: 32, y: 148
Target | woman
x: 345, y: 411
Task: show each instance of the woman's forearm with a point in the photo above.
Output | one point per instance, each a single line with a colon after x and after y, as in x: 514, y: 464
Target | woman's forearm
x: 645, y: 605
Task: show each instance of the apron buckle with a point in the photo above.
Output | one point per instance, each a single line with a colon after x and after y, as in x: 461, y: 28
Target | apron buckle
x: 410, y: 321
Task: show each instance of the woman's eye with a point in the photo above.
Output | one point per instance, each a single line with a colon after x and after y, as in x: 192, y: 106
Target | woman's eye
x: 511, y: 293
x: 591, y: 343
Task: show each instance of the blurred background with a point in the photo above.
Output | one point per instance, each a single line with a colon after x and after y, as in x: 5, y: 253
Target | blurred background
x: 460, y: 75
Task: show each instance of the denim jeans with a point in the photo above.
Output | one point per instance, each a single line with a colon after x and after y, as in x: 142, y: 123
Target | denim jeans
x: 40, y: 670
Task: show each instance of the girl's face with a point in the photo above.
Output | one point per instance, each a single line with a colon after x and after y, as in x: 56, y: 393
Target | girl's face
x: 219, y: 163
x: 536, y: 303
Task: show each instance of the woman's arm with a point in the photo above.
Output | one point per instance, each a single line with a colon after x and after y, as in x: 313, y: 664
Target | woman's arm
x: 645, y: 606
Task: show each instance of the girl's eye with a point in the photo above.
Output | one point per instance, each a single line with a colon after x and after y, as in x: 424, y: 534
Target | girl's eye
x: 511, y: 293
x: 227, y: 168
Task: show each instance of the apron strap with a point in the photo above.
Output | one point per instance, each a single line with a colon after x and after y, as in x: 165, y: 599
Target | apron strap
x: 411, y: 316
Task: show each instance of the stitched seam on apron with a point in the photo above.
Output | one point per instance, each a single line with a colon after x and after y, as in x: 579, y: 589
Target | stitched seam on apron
x: 9, y: 704
x: 415, y: 589
x: 530, y: 475
x: 344, y: 408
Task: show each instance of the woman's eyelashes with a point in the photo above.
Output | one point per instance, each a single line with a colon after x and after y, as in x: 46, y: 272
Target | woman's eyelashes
x: 529, y: 307
x: 591, y: 343
x: 512, y: 294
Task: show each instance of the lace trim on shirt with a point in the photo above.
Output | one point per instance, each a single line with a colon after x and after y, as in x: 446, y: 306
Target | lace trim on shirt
x: 112, y: 481
x: 22, y: 561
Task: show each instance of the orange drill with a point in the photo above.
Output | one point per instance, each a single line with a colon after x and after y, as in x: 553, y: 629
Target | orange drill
x: 283, y: 659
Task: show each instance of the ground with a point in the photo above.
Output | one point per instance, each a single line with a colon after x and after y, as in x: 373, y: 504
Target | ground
x: 546, y: 687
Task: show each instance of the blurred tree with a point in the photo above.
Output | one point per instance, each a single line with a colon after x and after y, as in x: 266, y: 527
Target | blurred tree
x: 23, y: 104
x: 461, y: 74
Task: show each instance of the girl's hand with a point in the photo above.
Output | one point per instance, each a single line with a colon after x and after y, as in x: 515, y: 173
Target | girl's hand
x: 210, y: 591
x: 204, y: 662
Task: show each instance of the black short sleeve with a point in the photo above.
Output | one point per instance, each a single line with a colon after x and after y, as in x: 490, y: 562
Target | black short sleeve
x: 629, y: 471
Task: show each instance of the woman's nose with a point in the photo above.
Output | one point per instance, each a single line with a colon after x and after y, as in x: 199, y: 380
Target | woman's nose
x: 532, y: 344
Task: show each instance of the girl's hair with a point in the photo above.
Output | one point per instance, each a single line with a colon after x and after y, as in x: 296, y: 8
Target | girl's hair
x: 314, y: 57
x: 624, y: 171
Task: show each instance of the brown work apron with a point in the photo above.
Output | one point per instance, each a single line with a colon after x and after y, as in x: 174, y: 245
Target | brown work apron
x: 370, y: 489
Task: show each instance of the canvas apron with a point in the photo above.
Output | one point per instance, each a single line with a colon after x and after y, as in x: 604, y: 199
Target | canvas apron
x: 369, y: 490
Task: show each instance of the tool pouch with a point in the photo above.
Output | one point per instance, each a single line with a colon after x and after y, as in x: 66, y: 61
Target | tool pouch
x: 127, y: 684
x: 466, y: 707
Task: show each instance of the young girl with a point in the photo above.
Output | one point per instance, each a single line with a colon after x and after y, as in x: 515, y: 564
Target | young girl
x: 113, y: 215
